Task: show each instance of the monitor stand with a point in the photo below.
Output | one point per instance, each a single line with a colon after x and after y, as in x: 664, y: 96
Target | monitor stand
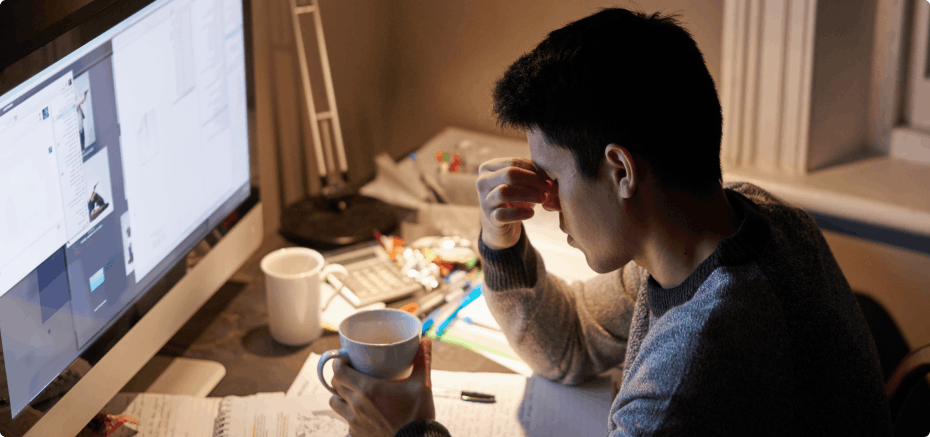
x: 177, y: 376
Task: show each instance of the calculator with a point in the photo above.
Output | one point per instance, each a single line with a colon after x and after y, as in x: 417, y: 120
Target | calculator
x: 372, y: 277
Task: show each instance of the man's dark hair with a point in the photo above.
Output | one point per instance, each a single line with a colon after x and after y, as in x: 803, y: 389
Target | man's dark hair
x: 620, y: 77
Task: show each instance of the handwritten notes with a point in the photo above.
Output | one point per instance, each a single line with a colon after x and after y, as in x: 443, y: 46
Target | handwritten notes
x: 274, y: 416
x: 162, y: 415
x: 525, y: 406
x: 265, y: 414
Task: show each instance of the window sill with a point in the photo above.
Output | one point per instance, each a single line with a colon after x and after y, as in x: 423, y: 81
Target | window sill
x: 881, y: 191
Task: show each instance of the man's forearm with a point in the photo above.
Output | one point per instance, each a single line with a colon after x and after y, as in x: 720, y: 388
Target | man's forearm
x: 559, y: 337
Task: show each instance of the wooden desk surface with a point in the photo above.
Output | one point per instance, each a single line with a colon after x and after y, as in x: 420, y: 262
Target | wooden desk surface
x: 232, y: 328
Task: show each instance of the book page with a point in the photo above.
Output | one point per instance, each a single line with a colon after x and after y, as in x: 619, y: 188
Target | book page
x: 162, y: 415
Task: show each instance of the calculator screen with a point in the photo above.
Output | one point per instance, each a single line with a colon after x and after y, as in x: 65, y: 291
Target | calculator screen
x: 364, y: 257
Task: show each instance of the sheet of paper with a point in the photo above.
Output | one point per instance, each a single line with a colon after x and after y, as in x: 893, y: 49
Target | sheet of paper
x: 307, y: 388
x: 534, y: 407
x: 518, y: 366
x: 162, y: 415
x: 479, y: 312
x: 487, y: 342
x: 508, y: 416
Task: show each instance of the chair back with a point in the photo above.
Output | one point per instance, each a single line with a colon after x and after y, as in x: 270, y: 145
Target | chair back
x: 912, y: 369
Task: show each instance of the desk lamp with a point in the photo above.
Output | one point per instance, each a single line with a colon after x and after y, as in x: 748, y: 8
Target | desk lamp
x: 339, y: 216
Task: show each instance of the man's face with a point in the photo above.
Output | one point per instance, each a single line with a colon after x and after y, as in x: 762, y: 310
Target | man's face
x: 590, y: 211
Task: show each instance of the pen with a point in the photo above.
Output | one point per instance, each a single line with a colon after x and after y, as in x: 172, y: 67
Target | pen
x: 469, y: 298
x: 470, y: 396
x: 431, y: 318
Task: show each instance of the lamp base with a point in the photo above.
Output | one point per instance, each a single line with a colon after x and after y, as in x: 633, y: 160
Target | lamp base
x: 322, y: 223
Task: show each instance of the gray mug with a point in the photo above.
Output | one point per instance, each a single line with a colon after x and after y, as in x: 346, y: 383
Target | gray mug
x: 380, y: 343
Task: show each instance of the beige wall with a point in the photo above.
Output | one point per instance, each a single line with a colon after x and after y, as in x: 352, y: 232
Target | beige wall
x: 448, y: 55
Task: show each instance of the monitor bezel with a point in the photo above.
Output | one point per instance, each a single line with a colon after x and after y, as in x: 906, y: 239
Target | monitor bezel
x: 74, y: 31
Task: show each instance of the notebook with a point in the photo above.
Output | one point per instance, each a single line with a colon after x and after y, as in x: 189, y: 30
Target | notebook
x: 268, y: 414
x: 527, y: 407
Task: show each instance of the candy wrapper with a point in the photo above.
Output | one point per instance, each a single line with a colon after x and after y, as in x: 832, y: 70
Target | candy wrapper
x: 425, y: 261
x: 103, y: 425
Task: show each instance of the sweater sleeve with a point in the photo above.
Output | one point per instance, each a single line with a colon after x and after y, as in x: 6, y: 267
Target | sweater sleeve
x: 565, y: 332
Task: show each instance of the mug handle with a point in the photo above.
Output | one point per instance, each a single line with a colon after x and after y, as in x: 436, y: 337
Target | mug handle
x: 328, y: 355
x: 328, y: 270
x: 324, y: 277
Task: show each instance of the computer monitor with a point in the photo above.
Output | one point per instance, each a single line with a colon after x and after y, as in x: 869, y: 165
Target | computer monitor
x: 115, y: 161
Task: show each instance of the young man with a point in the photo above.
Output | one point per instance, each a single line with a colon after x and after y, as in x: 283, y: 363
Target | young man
x: 724, y: 304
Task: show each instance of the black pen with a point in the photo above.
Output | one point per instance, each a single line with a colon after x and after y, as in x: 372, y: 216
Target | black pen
x: 469, y: 396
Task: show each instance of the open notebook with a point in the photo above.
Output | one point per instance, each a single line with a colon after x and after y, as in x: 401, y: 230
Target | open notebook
x: 525, y: 406
x: 270, y: 414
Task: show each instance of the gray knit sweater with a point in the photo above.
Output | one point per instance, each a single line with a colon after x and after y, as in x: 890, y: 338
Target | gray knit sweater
x: 763, y: 338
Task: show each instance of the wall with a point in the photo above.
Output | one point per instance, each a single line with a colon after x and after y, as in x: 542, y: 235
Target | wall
x: 449, y: 54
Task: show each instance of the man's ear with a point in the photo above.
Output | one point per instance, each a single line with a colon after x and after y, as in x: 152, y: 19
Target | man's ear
x: 621, y: 169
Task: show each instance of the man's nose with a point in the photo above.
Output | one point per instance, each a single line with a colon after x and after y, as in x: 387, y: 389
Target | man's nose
x: 552, y: 202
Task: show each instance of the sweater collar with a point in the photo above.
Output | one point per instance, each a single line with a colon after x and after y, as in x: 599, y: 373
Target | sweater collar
x: 744, y: 245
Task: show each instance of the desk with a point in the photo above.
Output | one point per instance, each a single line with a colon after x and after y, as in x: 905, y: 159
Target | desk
x: 232, y: 329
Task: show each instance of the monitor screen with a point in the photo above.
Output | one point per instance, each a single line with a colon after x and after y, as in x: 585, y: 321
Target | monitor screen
x: 114, y: 161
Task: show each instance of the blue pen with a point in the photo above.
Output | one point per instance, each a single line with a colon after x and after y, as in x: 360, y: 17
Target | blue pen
x: 469, y: 298
x: 430, y: 319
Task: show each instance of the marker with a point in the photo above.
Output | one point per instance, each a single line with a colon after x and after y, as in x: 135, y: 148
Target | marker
x: 431, y: 318
x: 469, y: 298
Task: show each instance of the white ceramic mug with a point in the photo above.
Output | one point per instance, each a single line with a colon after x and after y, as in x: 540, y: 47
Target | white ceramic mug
x: 292, y: 287
x: 381, y: 343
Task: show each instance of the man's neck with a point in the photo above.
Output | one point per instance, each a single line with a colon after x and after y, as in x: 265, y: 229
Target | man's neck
x: 682, y: 233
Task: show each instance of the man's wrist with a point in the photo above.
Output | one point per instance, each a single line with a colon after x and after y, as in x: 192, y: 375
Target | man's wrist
x: 423, y: 428
x: 513, y: 267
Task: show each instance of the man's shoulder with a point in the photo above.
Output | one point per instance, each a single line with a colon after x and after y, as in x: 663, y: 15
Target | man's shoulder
x: 785, y: 219
x: 757, y: 195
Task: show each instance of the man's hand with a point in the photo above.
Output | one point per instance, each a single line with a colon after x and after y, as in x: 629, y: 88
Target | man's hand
x: 378, y: 408
x: 508, y: 188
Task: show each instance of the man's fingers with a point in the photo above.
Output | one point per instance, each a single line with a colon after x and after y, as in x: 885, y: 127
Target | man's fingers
x: 510, y: 175
x: 422, y: 363
x: 347, y: 378
x: 495, y: 164
x: 512, y: 215
x: 503, y: 194
x: 341, y: 407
